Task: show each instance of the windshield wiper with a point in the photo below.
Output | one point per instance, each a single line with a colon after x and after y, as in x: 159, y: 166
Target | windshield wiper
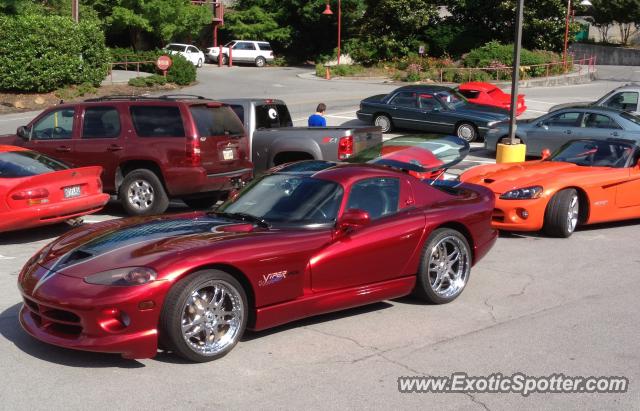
x: 244, y: 217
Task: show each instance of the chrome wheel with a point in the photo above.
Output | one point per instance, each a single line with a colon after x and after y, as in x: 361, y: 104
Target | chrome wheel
x: 383, y: 122
x: 573, y: 213
x: 140, y: 195
x: 449, y: 267
x: 212, y: 318
x: 466, y: 131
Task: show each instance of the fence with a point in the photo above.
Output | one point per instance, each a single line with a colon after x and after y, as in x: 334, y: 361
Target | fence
x: 126, y: 65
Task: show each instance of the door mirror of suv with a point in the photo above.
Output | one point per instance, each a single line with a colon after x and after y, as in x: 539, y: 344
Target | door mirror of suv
x: 23, y: 133
x: 546, y: 153
x: 353, y: 218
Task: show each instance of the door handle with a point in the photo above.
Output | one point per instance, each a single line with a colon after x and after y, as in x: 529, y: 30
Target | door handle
x: 568, y: 131
x: 615, y: 134
x: 63, y: 149
x: 115, y: 147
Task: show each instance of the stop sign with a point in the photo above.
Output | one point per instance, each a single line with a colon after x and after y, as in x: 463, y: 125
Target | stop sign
x: 163, y: 63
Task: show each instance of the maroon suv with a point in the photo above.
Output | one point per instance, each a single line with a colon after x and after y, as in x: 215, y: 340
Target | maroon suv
x: 151, y: 149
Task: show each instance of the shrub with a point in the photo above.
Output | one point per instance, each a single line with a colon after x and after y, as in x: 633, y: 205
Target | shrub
x: 494, y: 54
x: 45, y: 53
x: 342, y: 70
x: 148, y: 81
x: 182, y: 71
x: 124, y: 55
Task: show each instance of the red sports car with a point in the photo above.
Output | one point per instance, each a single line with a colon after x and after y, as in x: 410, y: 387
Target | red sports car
x: 310, y: 238
x: 490, y: 95
x: 37, y: 190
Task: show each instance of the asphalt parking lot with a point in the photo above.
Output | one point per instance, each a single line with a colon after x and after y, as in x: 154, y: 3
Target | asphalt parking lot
x: 534, y: 305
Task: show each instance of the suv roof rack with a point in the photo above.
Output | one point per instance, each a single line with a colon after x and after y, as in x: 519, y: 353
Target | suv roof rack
x: 120, y: 97
x: 181, y: 96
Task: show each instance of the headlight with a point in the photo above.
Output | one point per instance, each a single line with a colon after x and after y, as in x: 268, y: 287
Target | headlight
x: 522, y: 193
x: 127, y: 276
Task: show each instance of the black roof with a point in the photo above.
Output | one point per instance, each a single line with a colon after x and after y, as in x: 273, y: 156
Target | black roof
x: 423, y: 87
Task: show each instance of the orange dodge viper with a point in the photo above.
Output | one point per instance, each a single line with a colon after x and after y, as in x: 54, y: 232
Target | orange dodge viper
x: 584, y: 182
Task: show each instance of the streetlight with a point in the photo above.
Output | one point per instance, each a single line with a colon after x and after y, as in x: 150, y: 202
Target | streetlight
x: 566, y: 30
x: 327, y: 11
x: 75, y: 10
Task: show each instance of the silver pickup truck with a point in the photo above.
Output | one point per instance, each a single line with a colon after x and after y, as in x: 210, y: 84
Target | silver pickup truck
x: 274, y: 140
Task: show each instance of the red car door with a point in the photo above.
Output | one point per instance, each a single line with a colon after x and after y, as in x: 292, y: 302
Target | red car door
x: 53, y: 133
x: 100, y: 141
x: 379, y: 251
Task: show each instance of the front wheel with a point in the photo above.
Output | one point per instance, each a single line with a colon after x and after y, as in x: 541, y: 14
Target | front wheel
x: 562, y: 214
x: 384, y: 122
x: 204, y: 316
x: 445, y: 266
x: 199, y: 63
x: 466, y: 131
x: 142, y: 193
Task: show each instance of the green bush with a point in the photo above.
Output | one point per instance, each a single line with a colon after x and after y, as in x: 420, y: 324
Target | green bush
x: 182, y: 71
x: 342, y: 70
x: 494, y: 54
x: 126, y: 56
x: 45, y: 53
x: 148, y: 81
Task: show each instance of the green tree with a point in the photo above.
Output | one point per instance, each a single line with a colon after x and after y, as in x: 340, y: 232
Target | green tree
x: 601, y: 16
x: 255, y: 23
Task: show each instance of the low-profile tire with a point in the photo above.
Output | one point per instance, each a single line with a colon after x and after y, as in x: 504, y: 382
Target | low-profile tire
x: 204, y: 316
x: 445, y: 266
x: 201, y: 203
x: 260, y: 61
x: 467, y: 131
x: 199, y: 63
x: 142, y: 193
x: 384, y: 122
x: 562, y: 214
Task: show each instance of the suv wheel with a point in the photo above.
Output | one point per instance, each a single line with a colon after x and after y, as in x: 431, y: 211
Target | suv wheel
x: 260, y: 61
x: 225, y: 59
x: 142, y: 193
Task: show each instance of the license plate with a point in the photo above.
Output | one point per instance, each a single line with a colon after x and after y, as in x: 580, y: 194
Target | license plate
x: 227, y: 154
x: 70, y: 192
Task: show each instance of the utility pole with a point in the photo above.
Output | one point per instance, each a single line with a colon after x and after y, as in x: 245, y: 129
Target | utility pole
x: 515, y: 74
x: 75, y: 10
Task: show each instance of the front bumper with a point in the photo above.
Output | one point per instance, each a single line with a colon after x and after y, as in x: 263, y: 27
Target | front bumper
x: 519, y: 215
x: 366, y: 117
x: 52, y: 213
x: 67, y: 312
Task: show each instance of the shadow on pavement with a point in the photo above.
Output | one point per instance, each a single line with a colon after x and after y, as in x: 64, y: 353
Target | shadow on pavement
x: 11, y: 330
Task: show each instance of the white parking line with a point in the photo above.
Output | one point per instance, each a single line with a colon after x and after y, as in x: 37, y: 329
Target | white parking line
x: 15, y: 118
x: 343, y: 117
x: 328, y: 115
x: 537, y: 111
x: 2, y: 257
x: 541, y: 102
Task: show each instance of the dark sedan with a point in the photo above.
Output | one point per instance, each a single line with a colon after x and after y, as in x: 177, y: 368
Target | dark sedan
x: 552, y: 130
x: 436, y: 109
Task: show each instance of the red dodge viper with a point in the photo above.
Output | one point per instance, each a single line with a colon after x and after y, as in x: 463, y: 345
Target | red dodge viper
x: 38, y: 190
x: 490, y: 95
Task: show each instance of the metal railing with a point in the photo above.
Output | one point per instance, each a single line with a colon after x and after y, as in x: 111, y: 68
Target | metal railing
x: 126, y: 65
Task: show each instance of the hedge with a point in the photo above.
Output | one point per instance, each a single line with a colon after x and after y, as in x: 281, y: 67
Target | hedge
x: 182, y: 72
x: 44, y: 53
x: 494, y: 54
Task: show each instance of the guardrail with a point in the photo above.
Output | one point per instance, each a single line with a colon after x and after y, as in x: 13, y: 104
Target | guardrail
x: 126, y: 65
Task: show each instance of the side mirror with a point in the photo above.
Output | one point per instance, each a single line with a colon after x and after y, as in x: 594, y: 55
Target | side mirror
x: 353, y: 218
x: 546, y: 153
x: 436, y: 109
x: 23, y: 133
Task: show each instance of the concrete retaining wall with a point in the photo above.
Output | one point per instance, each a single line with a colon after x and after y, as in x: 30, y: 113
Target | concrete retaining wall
x: 607, y: 55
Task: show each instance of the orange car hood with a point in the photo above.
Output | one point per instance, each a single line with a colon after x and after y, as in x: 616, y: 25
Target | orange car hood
x: 501, y: 178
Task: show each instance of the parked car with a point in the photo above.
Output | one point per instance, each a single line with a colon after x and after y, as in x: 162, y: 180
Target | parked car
x: 310, y: 238
x: 37, y: 190
x: 151, y: 149
x: 623, y: 98
x: 435, y: 109
x: 191, y: 53
x: 243, y: 51
x: 552, y: 130
x: 587, y: 181
x: 275, y: 141
x: 490, y: 95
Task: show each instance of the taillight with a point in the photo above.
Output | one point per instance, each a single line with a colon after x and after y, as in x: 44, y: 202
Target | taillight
x: 345, y: 147
x: 193, y: 152
x: 32, y: 197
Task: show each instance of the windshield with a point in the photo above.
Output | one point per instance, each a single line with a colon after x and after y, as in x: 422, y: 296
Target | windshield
x: 14, y: 164
x: 594, y: 153
x: 421, y: 153
x: 289, y: 199
x: 230, y: 44
x: 451, y: 98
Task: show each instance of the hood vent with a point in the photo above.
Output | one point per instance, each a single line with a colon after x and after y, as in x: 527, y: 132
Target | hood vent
x: 488, y: 180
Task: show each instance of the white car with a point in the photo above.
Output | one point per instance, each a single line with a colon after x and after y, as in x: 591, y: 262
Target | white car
x: 191, y: 53
x: 243, y: 51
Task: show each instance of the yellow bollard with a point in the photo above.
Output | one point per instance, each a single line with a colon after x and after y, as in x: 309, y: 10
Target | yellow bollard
x: 511, y: 153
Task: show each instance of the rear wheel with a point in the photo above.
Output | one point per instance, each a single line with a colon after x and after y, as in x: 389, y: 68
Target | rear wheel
x: 260, y: 61
x: 562, y: 214
x: 204, y: 316
x: 466, y: 131
x: 445, y: 266
x: 384, y: 122
x: 142, y: 193
x: 225, y: 59
x: 199, y: 63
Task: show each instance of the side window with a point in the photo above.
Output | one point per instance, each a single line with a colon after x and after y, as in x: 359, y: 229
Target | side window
x: 264, y: 46
x: 157, y: 121
x: 428, y: 102
x: 249, y: 46
x: 563, y: 120
x: 405, y: 99
x: 593, y: 120
x: 470, y: 94
x: 377, y: 196
x: 57, y: 125
x: 626, y: 100
x: 216, y: 121
x: 100, y: 122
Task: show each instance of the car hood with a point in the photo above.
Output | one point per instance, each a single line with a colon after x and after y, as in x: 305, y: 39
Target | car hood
x: 488, y: 112
x: 137, y: 242
x: 506, y: 177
